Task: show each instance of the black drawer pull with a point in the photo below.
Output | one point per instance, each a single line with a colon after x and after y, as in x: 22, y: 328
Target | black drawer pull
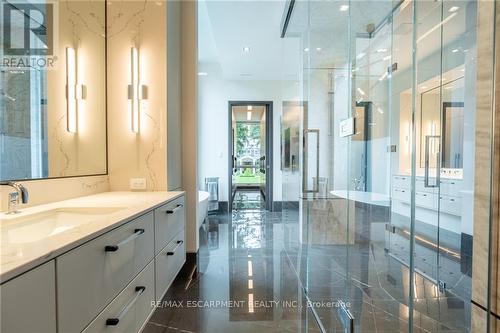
x: 115, y: 321
x: 114, y: 248
x: 171, y: 253
x: 173, y: 211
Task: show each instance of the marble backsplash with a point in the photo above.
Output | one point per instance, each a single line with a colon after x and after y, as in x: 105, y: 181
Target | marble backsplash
x: 52, y: 190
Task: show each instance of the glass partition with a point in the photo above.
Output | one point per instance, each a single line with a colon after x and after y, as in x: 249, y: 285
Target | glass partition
x: 386, y: 141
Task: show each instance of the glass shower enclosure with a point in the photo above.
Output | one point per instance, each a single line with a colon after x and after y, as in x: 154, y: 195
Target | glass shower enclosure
x: 379, y: 156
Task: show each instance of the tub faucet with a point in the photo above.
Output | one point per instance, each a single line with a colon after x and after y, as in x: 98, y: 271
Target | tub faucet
x: 21, y: 194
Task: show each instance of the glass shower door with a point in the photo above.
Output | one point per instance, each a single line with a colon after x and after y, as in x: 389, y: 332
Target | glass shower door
x: 387, y: 155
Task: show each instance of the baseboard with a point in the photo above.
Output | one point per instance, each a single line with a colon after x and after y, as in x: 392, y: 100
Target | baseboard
x: 223, y: 208
x: 190, y: 268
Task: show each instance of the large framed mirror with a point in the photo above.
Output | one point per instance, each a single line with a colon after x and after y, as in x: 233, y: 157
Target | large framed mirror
x: 53, y: 89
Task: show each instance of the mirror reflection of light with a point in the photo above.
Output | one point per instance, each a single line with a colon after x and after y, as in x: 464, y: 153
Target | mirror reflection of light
x: 250, y: 303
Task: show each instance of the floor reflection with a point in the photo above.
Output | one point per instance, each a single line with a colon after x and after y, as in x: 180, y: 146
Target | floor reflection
x: 371, y: 272
x: 241, y: 259
x: 293, y: 263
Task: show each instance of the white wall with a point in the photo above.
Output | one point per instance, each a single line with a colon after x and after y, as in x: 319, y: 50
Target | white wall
x: 214, y: 94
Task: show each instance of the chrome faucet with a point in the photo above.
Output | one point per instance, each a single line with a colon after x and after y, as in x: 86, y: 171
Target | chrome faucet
x: 21, y: 193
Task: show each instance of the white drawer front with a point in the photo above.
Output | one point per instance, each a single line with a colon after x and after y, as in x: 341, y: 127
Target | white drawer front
x: 168, y: 263
x: 451, y: 187
x: 130, y: 309
x: 29, y: 302
x: 91, y: 275
x: 169, y: 220
x: 401, y: 194
x: 425, y: 200
x: 451, y: 205
x: 401, y: 181
x: 420, y: 186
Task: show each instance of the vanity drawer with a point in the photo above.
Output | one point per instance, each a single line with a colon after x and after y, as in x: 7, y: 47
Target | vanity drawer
x: 130, y: 309
x: 91, y: 275
x: 168, y: 263
x: 29, y: 302
x: 425, y: 200
x: 401, y: 194
x: 169, y: 220
x: 451, y: 205
x: 420, y: 186
x: 451, y: 187
x: 401, y: 181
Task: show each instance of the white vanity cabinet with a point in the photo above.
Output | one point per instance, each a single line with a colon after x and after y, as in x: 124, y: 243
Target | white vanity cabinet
x: 28, y: 302
x: 427, y: 204
x: 169, y: 244
x: 105, y: 283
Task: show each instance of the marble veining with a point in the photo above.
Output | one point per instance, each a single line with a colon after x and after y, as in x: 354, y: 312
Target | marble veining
x: 18, y: 257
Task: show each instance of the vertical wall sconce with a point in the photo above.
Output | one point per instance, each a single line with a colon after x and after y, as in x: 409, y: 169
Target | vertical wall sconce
x: 136, y: 91
x: 74, y: 91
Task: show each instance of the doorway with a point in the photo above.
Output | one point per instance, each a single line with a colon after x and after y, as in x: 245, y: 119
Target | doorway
x: 250, y: 155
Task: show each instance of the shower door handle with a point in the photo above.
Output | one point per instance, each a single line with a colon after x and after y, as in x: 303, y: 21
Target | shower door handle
x: 305, y: 160
x: 428, y: 139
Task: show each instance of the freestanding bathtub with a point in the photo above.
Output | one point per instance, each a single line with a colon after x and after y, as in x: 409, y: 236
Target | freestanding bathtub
x: 202, y: 206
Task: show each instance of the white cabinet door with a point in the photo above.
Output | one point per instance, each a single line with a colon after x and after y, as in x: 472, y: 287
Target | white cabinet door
x: 29, y: 301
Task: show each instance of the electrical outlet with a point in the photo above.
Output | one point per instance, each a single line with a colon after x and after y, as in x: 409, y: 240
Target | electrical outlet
x: 137, y: 183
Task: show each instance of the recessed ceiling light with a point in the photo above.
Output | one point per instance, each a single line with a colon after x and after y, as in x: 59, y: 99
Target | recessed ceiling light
x: 202, y: 73
x: 306, y: 49
x: 361, y: 91
x: 246, y: 49
x: 318, y: 49
x: 381, y: 50
x: 453, y: 9
x: 344, y: 8
x: 387, y: 57
x: 454, y: 50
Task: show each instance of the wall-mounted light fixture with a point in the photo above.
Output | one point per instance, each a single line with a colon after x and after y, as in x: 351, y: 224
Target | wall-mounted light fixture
x: 74, y: 91
x: 136, y: 91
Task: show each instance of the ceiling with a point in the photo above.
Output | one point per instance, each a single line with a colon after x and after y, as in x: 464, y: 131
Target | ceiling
x: 240, y: 113
x: 227, y: 27
x: 317, y: 35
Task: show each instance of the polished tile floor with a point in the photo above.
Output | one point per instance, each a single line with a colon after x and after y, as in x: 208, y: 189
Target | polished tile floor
x: 241, y: 259
x: 252, y: 254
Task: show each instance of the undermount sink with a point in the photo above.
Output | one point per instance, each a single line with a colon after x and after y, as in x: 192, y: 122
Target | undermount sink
x: 34, y: 227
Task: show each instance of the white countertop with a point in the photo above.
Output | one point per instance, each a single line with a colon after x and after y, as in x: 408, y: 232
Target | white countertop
x: 19, y: 254
x: 371, y: 198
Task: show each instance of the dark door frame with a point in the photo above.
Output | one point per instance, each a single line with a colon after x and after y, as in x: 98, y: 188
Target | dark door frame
x: 269, y: 150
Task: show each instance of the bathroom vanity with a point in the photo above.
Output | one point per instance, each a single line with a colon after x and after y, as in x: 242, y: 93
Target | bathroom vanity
x: 90, y: 264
